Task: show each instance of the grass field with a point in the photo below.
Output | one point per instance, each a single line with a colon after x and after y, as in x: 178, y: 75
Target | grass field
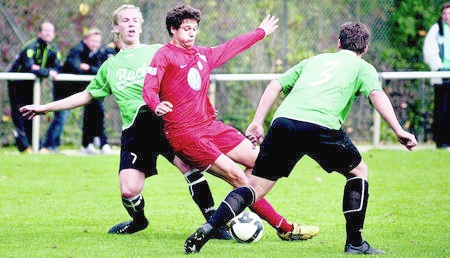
x: 63, y: 206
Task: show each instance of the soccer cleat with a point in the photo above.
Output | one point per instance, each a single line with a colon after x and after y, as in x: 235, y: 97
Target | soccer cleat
x: 220, y: 233
x: 197, y: 240
x: 128, y: 227
x: 299, y: 233
x: 363, y: 249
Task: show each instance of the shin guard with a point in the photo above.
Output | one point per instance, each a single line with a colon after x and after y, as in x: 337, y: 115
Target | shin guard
x: 134, y: 206
x: 200, y: 192
x: 233, y: 204
x: 354, y: 205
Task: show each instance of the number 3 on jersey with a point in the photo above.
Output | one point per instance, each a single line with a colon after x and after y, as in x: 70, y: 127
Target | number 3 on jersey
x: 325, y: 75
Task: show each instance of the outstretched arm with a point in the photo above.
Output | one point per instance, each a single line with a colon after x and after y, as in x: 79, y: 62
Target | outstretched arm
x: 255, y: 131
x: 382, y: 104
x: 76, y: 100
x: 222, y: 53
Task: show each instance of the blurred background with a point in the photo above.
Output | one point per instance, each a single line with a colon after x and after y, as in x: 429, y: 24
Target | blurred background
x: 306, y: 28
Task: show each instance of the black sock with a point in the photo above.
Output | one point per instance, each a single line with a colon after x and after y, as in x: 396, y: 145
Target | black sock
x: 200, y: 192
x: 354, y: 205
x: 135, y: 207
x: 233, y: 204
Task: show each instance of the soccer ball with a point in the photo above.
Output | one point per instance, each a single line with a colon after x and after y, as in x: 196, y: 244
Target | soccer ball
x: 246, y: 227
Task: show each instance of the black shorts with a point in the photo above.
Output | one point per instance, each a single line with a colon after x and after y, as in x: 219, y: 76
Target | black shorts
x: 142, y: 142
x: 288, y: 140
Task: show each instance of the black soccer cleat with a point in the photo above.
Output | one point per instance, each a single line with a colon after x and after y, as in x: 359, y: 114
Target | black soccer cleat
x: 198, y: 239
x: 362, y: 249
x: 128, y: 227
x: 220, y: 233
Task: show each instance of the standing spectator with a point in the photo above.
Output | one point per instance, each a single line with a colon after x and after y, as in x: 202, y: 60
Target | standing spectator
x: 38, y: 56
x: 436, y: 54
x: 319, y: 93
x: 83, y: 58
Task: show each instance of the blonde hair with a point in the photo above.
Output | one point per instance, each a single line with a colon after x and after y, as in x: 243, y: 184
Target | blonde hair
x: 92, y: 31
x: 125, y: 7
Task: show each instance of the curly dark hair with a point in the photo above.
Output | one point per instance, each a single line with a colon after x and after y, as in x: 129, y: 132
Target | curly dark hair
x: 181, y: 12
x: 354, y: 36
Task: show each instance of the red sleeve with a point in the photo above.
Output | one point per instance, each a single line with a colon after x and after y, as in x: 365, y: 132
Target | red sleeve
x: 152, y: 81
x: 222, y: 53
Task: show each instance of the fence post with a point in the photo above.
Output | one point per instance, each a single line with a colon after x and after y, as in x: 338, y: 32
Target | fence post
x: 212, y: 91
x: 36, y: 119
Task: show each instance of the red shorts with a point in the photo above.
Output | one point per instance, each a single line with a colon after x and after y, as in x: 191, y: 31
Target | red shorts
x: 201, y: 147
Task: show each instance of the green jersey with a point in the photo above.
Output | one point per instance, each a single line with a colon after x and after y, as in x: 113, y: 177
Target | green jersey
x: 123, y: 76
x: 322, y: 89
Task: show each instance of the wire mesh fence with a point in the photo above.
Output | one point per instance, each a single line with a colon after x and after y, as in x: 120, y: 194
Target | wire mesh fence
x: 306, y: 28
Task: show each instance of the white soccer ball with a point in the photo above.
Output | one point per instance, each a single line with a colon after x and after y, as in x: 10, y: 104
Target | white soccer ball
x: 246, y: 227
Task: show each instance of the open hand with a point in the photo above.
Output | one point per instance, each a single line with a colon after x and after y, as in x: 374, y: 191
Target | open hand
x: 269, y: 24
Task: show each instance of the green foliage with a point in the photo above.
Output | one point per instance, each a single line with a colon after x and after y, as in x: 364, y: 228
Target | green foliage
x: 63, y: 206
x: 238, y: 105
x: 386, y: 134
x: 408, y: 23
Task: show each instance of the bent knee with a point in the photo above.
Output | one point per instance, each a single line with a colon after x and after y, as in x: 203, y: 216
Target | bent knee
x: 128, y: 193
x: 362, y: 170
x: 128, y: 190
x: 131, y: 182
x: 237, y: 179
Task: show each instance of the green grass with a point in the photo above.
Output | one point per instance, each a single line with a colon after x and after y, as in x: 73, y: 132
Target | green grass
x: 63, y: 206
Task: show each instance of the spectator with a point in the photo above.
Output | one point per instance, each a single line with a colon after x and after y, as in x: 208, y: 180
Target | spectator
x: 83, y: 58
x: 38, y: 56
x: 436, y: 54
x: 110, y: 49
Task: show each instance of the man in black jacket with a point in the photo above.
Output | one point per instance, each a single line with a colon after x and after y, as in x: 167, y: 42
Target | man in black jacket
x: 84, y: 58
x: 38, y: 56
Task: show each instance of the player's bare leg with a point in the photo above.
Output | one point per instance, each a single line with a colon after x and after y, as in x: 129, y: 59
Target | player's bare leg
x: 131, y: 185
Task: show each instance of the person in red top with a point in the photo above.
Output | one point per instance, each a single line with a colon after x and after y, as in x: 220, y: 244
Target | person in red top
x: 176, y: 88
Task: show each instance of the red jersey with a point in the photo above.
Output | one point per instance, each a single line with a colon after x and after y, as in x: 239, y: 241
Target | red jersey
x: 181, y: 76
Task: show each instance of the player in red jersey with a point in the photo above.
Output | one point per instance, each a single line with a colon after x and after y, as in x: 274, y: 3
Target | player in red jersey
x: 176, y: 88
x: 142, y: 140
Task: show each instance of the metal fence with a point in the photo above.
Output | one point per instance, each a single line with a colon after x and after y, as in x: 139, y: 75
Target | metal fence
x: 306, y: 28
